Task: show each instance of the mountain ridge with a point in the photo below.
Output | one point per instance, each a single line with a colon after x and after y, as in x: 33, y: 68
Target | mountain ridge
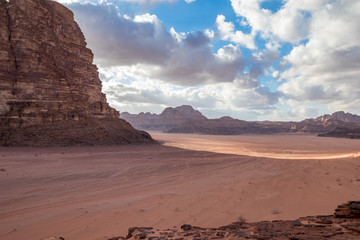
x: 169, y: 118
x: 226, y: 125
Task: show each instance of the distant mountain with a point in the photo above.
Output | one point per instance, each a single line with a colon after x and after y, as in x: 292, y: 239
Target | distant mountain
x: 168, y: 119
x: 327, y: 122
x: 231, y: 126
x: 340, y: 116
x: 185, y: 119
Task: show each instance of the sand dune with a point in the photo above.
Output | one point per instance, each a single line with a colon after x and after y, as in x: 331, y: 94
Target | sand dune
x: 99, y: 192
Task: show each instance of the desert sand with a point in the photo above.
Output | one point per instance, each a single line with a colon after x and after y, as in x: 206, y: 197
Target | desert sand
x: 99, y: 192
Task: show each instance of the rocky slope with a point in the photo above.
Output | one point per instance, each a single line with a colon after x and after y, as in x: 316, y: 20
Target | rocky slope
x: 50, y: 90
x: 343, y: 132
x: 168, y: 119
x: 230, y: 126
x: 340, y: 116
x: 327, y: 123
x: 343, y: 224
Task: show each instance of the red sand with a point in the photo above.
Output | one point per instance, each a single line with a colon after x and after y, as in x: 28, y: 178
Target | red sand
x: 99, y: 192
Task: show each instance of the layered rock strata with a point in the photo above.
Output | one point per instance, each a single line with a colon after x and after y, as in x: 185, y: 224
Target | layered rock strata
x: 343, y: 225
x: 50, y: 91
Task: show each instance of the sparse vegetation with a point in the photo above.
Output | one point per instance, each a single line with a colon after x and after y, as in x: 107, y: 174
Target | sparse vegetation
x: 275, y: 211
x: 241, y: 219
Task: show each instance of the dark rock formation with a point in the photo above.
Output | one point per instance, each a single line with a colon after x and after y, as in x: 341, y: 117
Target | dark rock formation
x: 230, y: 126
x: 350, y: 209
x: 169, y: 118
x: 185, y: 119
x: 340, y: 116
x: 343, y: 132
x: 327, y: 123
x: 50, y: 90
x: 344, y: 224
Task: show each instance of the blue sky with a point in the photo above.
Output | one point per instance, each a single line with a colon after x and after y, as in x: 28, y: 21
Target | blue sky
x: 249, y: 59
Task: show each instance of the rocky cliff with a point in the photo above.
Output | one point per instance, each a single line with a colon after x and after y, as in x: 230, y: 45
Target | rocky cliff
x: 168, y: 119
x: 50, y: 91
x: 344, y: 224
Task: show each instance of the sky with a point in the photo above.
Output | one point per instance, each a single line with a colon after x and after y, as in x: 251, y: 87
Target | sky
x: 248, y: 59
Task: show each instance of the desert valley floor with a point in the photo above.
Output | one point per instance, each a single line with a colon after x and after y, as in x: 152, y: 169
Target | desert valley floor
x: 99, y: 192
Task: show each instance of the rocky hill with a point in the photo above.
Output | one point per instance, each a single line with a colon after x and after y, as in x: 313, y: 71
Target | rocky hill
x: 168, y: 119
x: 230, y: 126
x: 340, y: 116
x: 327, y: 123
x: 185, y: 119
x: 50, y: 90
x: 343, y: 132
x: 344, y: 224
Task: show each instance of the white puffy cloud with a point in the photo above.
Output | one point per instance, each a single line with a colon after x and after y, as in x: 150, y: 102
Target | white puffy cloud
x: 181, y: 58
x: 126, y: 90
x: 326, y: 70
x: 289, y: 24
x: 227, y: 32
x: 121, y: 40
x: 145, y: 66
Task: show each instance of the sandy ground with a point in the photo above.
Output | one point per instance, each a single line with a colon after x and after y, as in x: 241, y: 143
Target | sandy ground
x: 99, y: 192
x: 281, y: 146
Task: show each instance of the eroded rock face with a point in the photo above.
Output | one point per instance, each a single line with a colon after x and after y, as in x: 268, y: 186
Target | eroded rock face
x: 350, y: 209
x: 48, y: 84
x: 343, y: 225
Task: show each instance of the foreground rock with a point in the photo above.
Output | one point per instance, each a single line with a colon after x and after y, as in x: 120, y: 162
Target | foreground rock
x: 344, y: 224
x: 50, y: 92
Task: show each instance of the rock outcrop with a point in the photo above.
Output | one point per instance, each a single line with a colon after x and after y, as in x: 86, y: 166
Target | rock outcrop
x: 342, y: 132
x: 340, y: 116
x: 343, y: 225
x: 50, y: 91
x: 168, y: 119
x: 326, y: 123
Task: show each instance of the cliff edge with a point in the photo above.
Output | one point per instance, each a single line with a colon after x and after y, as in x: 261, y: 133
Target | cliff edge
x: 344, y: 224
x: 50, y: 91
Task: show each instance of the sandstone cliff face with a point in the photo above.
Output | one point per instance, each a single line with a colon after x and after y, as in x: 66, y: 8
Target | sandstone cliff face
x: 50, y: 92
